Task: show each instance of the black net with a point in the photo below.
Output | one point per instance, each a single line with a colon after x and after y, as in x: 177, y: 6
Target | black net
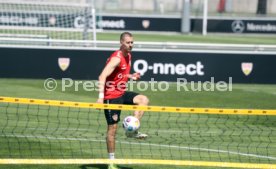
x: 43, y: 131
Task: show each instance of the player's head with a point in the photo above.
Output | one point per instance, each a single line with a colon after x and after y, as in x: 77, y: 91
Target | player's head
x: 126, y: 40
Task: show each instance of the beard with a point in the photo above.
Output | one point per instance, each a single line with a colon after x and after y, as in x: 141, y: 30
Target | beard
x: 127, y: 49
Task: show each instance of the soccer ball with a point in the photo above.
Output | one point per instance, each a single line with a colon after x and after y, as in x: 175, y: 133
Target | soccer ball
x: 131, y: 124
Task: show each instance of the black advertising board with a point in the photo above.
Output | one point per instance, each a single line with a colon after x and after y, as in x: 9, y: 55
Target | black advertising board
x: 55, y: 63
x: 242, y: 68
x: 236, y: 25
x: 137, y: 23
x: 77, y: 21
x: 161, y: 66
x: 142, y: 23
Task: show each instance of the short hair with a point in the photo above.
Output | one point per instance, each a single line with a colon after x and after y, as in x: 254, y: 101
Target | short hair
x: 124, y: 34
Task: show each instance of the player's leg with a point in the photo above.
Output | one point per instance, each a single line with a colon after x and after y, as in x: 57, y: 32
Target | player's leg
x: 112, y: 119
x: 110, y: 143
x: 140, y: 100
x: 110, y: 139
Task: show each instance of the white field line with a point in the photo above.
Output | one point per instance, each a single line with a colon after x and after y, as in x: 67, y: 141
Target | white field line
x: 145, y: 144
x: 190, y: 131
x: 159, y: 131
x: 53, y: 129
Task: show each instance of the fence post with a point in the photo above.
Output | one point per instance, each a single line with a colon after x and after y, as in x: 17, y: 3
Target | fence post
x: 185, y: 19
x: 205, y: 17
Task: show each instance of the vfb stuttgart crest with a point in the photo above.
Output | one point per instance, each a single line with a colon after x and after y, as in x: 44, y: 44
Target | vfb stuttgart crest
x: 247, y: 68
x: 146, y: 24
x: 63, y: 63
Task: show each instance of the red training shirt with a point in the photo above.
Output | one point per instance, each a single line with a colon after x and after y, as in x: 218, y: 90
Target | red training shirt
x: 115, y: 85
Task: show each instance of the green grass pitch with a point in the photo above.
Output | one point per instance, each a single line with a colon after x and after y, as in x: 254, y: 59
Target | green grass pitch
x: 242, y: 96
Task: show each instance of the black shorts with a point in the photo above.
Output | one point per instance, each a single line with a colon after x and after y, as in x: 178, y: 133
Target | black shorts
x: 113, y: 116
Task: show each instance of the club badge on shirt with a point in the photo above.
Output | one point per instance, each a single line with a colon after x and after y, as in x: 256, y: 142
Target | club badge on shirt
x: 115, y: 117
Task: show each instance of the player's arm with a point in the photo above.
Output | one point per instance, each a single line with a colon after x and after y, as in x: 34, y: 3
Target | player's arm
x: 134, y: 76
x: 109, y: 68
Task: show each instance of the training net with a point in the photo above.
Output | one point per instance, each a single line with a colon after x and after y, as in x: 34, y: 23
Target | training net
x: 45, y: 129
x: 47, y: 24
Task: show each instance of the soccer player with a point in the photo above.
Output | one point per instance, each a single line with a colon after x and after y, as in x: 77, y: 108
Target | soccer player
x: 112, y: 90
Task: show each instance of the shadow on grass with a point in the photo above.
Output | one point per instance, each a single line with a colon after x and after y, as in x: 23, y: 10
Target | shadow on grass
x: 100, y: 166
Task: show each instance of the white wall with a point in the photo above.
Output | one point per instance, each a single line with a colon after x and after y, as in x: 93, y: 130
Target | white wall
x: 245, y: 6
x: 271, y: 6
x: 238, y: 6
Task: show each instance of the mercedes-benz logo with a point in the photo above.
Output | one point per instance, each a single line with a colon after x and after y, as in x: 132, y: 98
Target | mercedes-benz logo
x: 238, y: 26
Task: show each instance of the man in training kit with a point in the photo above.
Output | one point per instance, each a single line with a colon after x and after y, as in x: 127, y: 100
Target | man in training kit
x: 112, y: 90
